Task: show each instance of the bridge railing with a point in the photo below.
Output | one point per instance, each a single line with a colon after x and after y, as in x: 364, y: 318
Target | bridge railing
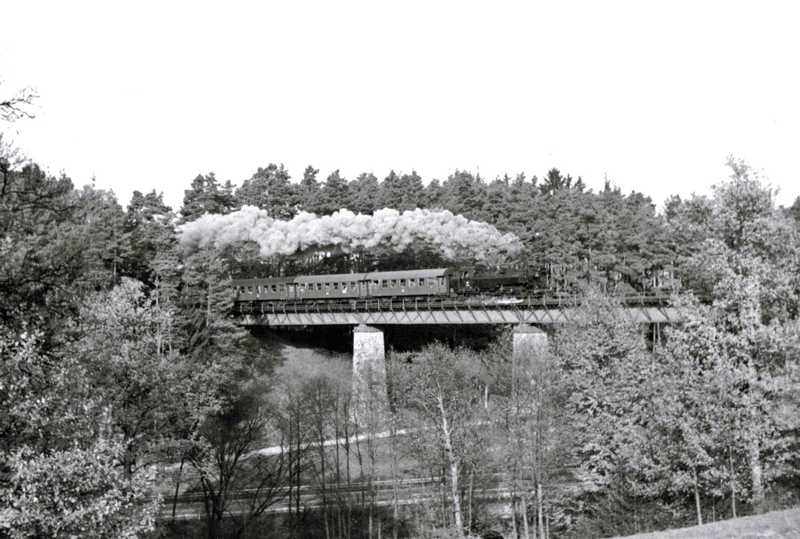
x: 439, y: 303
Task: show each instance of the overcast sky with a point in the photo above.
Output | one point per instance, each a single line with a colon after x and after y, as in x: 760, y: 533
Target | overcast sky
x: 653, y: 96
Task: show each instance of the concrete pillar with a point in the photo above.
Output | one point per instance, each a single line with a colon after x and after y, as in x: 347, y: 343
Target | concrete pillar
x: 529, y: 346
x: 528, y: 342
x: 369, y: 398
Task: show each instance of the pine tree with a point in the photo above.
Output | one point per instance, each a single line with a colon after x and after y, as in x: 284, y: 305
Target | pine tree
x: 269, y: 189
x: 334, y: 194
x: 206, y: 196
x: 365, y: 194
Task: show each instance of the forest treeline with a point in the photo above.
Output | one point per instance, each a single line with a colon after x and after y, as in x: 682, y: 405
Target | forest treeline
x: 124, y: 374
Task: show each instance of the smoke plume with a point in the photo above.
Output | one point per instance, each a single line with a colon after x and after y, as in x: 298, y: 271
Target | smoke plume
x: 453, y: 235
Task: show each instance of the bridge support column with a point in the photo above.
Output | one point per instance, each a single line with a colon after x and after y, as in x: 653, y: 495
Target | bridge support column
x: 528, y: 343
x: 369, y: 399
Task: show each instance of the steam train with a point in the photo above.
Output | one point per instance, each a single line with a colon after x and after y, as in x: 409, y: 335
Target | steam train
x: 382, y: 284
x: 464, y: 281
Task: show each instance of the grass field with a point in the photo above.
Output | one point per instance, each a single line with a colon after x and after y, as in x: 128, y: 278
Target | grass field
x: 775, y: 525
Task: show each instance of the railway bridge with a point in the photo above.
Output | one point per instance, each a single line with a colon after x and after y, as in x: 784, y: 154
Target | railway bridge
x: 643, y: 308
x: 369, y: 367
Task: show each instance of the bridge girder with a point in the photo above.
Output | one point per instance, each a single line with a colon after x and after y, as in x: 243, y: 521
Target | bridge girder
x: 641, y: 314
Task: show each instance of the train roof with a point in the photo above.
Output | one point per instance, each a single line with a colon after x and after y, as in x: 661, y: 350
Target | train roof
x: 344, y: 277
x: 336, y: 278
x: 268, y: 280
x: 438, y: 272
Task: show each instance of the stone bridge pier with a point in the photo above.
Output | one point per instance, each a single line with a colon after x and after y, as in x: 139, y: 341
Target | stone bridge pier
x: 369, y: 398
x: 528, y: 342
x: 369, y: 401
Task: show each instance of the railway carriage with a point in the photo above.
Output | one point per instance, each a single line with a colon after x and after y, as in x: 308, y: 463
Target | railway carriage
x: 272, y: 289
x: 399, y: 284
x: 331, y: 287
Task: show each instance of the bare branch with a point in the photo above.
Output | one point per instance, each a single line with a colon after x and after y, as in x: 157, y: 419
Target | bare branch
x: 18, y: 106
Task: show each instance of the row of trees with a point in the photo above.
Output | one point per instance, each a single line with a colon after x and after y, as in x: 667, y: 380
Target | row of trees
x: 103, y: 379
x: 572, y: 235
x: 605, y: 434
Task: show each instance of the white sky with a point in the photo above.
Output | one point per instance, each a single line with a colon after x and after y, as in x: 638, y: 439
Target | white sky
x: 146, y: 95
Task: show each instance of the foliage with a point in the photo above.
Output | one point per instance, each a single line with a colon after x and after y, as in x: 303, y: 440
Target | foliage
x: 227, y: 461
x: 154, y: 393
x: 440, y: 390
x: 78, y: 491
x: 150, y: 232
x: 609, y: 382
x: 42, y: 248
x: 207, y: 196
x: 270, y: 190
x: 62, y: 458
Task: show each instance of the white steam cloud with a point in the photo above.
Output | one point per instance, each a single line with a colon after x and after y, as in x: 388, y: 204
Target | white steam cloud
x: 453, y: 235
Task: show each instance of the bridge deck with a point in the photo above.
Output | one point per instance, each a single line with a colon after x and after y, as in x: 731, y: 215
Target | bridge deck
x: 644, y: 309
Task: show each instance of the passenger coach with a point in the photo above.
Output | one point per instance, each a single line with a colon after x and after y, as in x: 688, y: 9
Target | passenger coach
x: 347, y: 286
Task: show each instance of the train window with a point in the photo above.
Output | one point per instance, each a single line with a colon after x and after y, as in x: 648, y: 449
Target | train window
x: 353, y: 285
x: 441, y: 281
x: 258, y: 289
x: 319, y: 286
x: 402, y: 283
x: 282, y: 287
x: 384, y: 284
x: 274, y: 288
x: 327, y: 286
x: 376, y: 284
x: 301, y: 287
x: 431, y: 281
x: 336, y: 286
x: 393, y: 283
x: 249, y: 288
x: 412, y: 283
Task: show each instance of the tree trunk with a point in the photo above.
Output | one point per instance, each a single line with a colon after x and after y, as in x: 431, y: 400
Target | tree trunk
x: 213, y: 528
x: 392, y: 448
x: 525, y: 527
x: 733, y: 482
x: 297, y: 471
x: 547, y: 526
x: 322, y: 483
x: 349, y: 488
x: 471, y: 490
x: 291, y: 479
x: 540, y: 509
x: 443, y: 497
x: 454, y: 489
x: 177, y: 487
x: 514, y: 532
x: 755, y: 474
x: 697, y: 499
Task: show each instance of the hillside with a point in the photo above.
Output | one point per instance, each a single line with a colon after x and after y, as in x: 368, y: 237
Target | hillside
x: 774, y: 525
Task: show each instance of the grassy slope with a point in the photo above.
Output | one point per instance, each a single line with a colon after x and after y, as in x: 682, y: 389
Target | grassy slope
x: 775, y: 525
